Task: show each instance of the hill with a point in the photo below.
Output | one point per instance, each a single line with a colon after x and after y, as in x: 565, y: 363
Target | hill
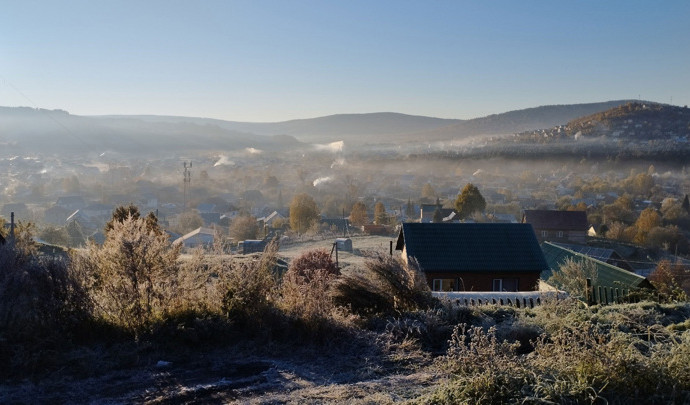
x: 630, y: 131
x: 29, y: 131
x: 636, y: 120
x: 25, y: 130
x: 389, y: 127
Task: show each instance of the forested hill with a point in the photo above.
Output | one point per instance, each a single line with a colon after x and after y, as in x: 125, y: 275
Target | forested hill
x: 522, y: 120
x: 631, y: 131
x: 636, y: 121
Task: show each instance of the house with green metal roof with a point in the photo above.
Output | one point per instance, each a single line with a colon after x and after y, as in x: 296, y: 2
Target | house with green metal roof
x: 474, y: 256
x: 611, y: 284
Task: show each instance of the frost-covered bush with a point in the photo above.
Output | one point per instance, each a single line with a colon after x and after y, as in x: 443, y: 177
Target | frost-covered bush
x: 132, y: 278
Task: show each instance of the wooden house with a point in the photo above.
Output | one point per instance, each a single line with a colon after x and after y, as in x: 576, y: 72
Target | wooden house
x: 558, y: 226
x: 474, y: 256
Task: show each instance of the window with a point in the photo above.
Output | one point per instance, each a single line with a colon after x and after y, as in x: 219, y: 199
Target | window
x: 560, y: 234
x: 444, y: 284
x: 505, y: 284
x: 544, y: 234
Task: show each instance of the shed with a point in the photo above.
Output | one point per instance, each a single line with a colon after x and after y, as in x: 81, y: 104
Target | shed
x: 251, y: 246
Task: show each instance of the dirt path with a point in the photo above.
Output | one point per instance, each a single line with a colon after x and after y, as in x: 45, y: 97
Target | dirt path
x: 219, y: 379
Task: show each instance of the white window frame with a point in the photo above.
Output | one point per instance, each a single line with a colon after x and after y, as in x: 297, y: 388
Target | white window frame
x: 499, y: 281
x: 437, y: 284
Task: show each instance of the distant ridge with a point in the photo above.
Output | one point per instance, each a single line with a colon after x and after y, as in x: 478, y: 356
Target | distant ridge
x: 393, y: 127
x: 28, y: 129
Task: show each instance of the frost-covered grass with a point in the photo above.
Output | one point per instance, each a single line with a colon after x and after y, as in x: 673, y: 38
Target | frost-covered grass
x: 373, y: 335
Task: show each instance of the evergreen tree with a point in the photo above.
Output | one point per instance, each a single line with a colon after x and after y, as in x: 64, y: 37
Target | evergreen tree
x: 380, y: 216
x: 438, y: 215
x: 409, y: 210
x: 470, y: 200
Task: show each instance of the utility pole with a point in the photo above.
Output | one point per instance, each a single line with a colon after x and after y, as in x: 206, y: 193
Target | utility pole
x: 187, y: 180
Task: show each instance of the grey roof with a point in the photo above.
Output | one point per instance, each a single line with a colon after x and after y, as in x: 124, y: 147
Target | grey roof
x: 472, y: 247
x: 602, y: 254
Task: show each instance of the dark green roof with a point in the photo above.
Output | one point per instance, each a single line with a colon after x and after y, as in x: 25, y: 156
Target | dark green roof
x: 472, y: 247
x: 607, y: 275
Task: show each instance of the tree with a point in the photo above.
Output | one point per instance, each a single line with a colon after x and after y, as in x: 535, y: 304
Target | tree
x: 358, y: 215
x: 271, y: 181
x: 243, y: 228
x: 428, y: 192
x: 71, y: 185
x: 303, y: 212
x: 409, y: 210
x: 189, y: 221
x: 664, y: 279
x: 55, y: 235
x: 121, y: 213
x: 380, y: 216
x: 669, y: 238
x: 469, y: 200
x: 686, y: 204
x: 648, y: 219
x: 438, y: 215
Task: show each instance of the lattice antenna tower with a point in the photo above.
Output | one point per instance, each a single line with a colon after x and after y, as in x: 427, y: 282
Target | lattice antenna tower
x: 187, y: 180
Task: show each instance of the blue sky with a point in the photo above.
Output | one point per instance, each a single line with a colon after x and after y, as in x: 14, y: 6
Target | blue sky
x: 278, y: 60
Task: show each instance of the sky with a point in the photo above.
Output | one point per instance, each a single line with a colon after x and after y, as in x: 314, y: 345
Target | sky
x: 269, y: 61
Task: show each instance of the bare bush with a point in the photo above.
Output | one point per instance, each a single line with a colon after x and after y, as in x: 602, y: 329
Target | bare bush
x: 251, y: 288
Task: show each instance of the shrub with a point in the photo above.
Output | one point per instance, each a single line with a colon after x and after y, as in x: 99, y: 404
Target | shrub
x: 388, y: 286
x: 251, y: 289
x: 42, y: 306
x: 405, y: 284
x: 617, y: 354
x: 132, y: 276
x: 306, y: 289
x: 572, y: 277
